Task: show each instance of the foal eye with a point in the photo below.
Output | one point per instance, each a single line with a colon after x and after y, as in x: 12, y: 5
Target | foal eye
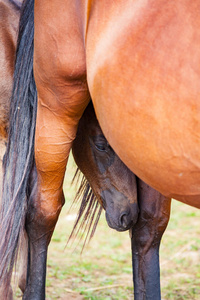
x: 101, y: 147
x: 100, y: 143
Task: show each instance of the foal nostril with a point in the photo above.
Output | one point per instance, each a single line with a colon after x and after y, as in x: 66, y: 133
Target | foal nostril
x: 124, y: 220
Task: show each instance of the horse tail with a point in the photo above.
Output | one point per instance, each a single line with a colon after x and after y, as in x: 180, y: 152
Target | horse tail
x: 19, y: 156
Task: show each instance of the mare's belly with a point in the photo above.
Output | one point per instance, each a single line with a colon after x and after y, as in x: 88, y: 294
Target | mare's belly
x: 144, y: 79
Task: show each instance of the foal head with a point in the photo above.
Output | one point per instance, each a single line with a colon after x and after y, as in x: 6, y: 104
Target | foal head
x: 113, y: 184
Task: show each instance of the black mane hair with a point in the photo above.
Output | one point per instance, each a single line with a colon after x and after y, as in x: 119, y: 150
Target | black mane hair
x: 89, y: 211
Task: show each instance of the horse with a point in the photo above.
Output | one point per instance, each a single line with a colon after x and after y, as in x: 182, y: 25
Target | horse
x: 104, y: 165
x: 138, y: 62
x: 100, y: 165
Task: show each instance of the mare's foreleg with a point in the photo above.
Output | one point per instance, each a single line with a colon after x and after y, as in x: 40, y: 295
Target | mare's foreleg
x: 56, y: 126
x: 146, y: 237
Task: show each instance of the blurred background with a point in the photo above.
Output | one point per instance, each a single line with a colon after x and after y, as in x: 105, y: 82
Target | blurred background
x: 103, y: 271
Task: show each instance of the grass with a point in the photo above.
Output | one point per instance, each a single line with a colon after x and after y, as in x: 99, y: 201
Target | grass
x: 180, y: 254
x: 103, y: 271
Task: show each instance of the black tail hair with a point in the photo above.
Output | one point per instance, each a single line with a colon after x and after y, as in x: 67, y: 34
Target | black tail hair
x: 19, y: 156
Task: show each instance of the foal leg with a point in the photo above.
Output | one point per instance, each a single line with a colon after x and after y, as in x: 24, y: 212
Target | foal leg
x: 146, y: 237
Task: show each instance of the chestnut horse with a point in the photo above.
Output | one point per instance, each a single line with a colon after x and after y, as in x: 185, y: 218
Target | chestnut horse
x: 139, y: 62
x: 98, y: 161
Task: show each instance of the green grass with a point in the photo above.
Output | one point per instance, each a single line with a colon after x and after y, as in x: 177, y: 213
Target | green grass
x: 103, y: 271
x: 180, y: 254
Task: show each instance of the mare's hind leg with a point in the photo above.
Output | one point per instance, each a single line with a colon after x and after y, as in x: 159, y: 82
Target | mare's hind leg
x: 52, y: 145
x: 59, y: 70
x: 146, y: 237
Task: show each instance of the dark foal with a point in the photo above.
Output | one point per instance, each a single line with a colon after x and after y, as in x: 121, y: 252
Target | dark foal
x: 116, y: 187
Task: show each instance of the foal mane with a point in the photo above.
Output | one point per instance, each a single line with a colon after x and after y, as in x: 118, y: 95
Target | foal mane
x: 89, y: 210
